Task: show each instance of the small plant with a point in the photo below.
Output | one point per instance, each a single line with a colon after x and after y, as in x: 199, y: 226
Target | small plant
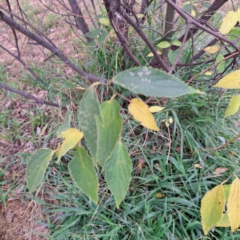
x: 101, y: 126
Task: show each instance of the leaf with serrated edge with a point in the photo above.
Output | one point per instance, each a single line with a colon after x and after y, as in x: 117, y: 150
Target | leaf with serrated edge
x: 108, y: 130
x: 233, y: 106
x: 154, y: 109
x: 66, y: 123
x: 37, y: 166
x: 224, y: 222
x: 212, y: 207
x: 118, y: 170
x: 89, y: 108
x: 83, y: 173
x: 152, y: 82
x: 233, y: 205
x: 229, y: 21
x: 71, y: 137
x: 141, y: 113
x: 211, y: 49
x: 226, y: 189
x: 230, y: 81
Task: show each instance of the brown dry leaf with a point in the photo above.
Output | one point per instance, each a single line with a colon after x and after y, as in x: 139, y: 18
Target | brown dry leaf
x: 220, y: 170
x: 140, y: 164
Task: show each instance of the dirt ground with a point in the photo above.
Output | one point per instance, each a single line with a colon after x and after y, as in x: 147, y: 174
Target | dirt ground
x: 17, y: 221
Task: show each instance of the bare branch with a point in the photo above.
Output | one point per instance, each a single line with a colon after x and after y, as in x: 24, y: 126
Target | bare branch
x: 50, y: 47
x: 29, y: 96
x: 79, y: 19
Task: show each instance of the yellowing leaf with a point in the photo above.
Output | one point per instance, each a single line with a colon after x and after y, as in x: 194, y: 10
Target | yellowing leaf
x: 230, y: 81
x: 224, y: 222
x: 141, y: 113
x: 151, y: 54
x: 238, y: 14
x: 140, y: 15
x: 211, y: 49
x: 159, y: 195
x: 170, y: 120
x: 212, y: 207
x: 71, y: 137
x: 229, y: 21
x: 208, y: 73
x: 193, y: 13
x: 234, y: 205
x: 233, y: 106
x: 104, y: 21
x: 154, y: 109
x: 197, y: 165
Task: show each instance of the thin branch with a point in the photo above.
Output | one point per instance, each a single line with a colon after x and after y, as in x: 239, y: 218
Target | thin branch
x: 145, y: 39
x: 29, y: 96
x: 13, y: 30
x: 110, y: 9
x: 23, y: 63
x: 181, y: 48
x: 202, y: 27
x: 50, y: 47
x: 79, y: 19
x: 204, y: 18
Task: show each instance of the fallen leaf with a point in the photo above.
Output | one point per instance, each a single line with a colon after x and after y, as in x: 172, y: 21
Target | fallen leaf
x: 141, y: 113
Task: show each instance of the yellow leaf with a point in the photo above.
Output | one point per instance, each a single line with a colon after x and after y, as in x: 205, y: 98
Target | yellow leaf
x: 233, y: 106
x: 151, y: 54
x: 238, y: 14
x: 234, y: 205
x: 159, y: 195
x: 230, y: 81
x: 197, y: 165
x: 140, y: 15
x: 167, y: 124
x: 211, y: 49
x: 193, y: 13
x: 170, y: 120
x: 229, y: 21
x: 212, y: 207
x: 154, y: 109
x: 71, y: 137
x: 104, y: 21
x: 141, y: 113
x: 224, y: 222
x: 208, y: 73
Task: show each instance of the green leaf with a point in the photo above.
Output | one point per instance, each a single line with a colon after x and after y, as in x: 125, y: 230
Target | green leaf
x: 164, y: 44
x: 89, y: 108
x: 118, y: 170
x: 226, y: 189
x: 233, y: 35
x: 212, y: 208
x: 152, y: 82
x: 109, y: 130
x: 104, y: 21
x: 221, y: 65
x: 37, y: 166
x: 94, y: 33
x: 83, y: 173
x: 233, y: 106
x: 224, y: 222
x: 176, y: 43
x: 66, y: 123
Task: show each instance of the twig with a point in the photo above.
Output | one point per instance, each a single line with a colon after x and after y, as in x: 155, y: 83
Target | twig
x: 29, y: 96
x: 50, y: 47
